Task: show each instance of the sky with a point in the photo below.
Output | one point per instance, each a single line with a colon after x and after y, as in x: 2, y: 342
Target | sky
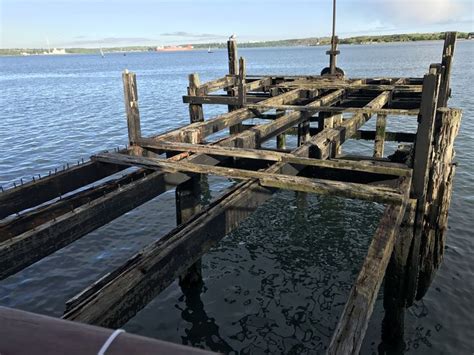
x: 109, y: 23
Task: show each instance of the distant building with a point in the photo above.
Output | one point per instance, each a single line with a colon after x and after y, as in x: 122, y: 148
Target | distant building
x: 470, y: 35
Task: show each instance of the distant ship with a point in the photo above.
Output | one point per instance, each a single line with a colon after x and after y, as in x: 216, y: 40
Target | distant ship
x: 210, y: 50
x: 174, y: 48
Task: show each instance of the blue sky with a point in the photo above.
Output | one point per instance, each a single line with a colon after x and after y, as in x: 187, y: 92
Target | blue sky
x: 93, y: 23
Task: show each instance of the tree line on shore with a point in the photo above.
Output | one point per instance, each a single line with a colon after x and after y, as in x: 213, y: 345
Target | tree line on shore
x: 312, y: 41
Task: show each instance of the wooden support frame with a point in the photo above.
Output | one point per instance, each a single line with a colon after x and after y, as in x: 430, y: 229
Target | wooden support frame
x: 116, y: 297
x: 360, y: 191
x: 349, y: 333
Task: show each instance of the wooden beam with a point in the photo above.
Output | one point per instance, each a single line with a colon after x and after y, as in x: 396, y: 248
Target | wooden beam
x: 348, y: 190
x: 33, y: 245
x: 33, y: 218
x: 352, y: 87
x: 326, y: 141
x: 218, y: 99
x: 257, y: 85
x: 336, y: 109
x: 226, y: 120
x: 215, y: 85
x: 389, y: 136
x: 350, y: 331
x: 259, y: 134
x: 274, y: 156
x: 53, y: 186
x: 119, y: 295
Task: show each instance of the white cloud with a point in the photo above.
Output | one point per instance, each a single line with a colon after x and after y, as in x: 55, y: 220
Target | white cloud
x: 424, y: 11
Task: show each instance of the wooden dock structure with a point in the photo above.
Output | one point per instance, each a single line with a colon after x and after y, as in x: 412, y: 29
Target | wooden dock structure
x: 322, y: 112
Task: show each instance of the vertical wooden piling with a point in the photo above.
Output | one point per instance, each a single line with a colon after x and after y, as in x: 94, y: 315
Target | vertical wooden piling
x: 195, y: 110
x: 379, y: 142
x: 233, y: 70
x: 242, y: 79
x: 188, y: 194
x: 448, y: 53
x: 423, y: 147
x: 395, y: 286
x: 438, y: 197
x: 232, y: 56
x: 281, y: 141
x: 131, y: 106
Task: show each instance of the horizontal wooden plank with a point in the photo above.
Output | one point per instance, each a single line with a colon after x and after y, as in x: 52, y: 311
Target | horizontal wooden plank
x: 50, y: 187
x: 386, y: 111
x: 35, y: 217
x: 351, y: 87
x: 274, y: 156
x: 217, y: 84
x: 25, y: 249
x: 389, y: 136
x: 226, y: 120
x: 326, y: 187
x: 219, y: 99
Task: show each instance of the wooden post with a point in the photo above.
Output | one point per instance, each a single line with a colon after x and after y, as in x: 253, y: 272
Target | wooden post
x: 233, y: 70
x: 438, y: 197
x: 380, y: 135
x: 242, y: 87
x: 395, y: 287
x: 424, y: 137
x: 195, y: 110
x: 281, y: 141
x: 448, y: 53
x: 330, y: 120
x: 232, y: 55
x: 131, y: 106
x: 188, y: 198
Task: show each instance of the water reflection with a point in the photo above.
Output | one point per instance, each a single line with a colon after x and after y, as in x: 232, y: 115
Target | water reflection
x: 278, y: 283
x: 204, y: 332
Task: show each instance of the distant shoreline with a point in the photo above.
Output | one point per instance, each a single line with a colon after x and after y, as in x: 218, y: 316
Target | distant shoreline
x: 302, y: 42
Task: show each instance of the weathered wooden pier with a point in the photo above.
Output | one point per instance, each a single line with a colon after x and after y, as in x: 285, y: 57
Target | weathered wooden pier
x: 323, y: 112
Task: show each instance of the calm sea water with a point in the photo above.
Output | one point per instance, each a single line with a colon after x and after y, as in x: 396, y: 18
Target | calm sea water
x: 279, y: 282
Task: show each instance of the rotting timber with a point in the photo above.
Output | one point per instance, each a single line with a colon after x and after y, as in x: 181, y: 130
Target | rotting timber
x: 323, y: 112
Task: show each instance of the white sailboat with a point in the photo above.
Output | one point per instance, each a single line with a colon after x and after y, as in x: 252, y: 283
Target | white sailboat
x: 209, y: 50
x: 102, y: 53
